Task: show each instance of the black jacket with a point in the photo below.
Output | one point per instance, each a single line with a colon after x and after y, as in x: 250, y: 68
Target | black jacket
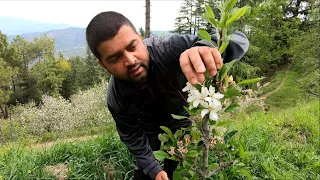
x: 139, y: 112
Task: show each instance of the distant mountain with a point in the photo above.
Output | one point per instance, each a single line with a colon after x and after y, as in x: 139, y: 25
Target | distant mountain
x: 69, y: 40
x: 16, y: 26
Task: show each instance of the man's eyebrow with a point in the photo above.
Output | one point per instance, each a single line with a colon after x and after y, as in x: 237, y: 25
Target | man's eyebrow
x: 117, y: 53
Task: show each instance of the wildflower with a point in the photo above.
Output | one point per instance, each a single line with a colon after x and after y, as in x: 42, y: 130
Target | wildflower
x: 230, y: 80
x: 212, y: 108
x: 198, y: 97
x: 183, y: 150
x: 212, y: 143
x: 187, y: 139
x: 171, y: 152
x: 213, y: 94
x: 189, y: 87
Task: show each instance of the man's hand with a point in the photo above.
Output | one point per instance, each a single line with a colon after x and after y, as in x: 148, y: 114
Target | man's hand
x: 162, y: 175
x: 196, y: 60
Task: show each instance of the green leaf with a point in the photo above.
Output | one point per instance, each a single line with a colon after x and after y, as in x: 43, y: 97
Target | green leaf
x: 231, y: 108
x: 163, y: 137
x: 203, y: 34
x: 241, y: 151
x: 225, y: 69
x: 178, y: 134
x: 213, y: 166
x: 223, y: 176
x: 223, y: 47
x: 211, y: 16
x: 192, y: 153
x: 195, y: 177
x: 195, y: 135
x: 237, y: 15
x: 222, y: 146
x: 229, y: 135
x: 230, y: 5
x: 160, y: 155
x: 177, y: 176
x: 231, y: 92
x: 223, y: 123
x: 245, y: 172
x: 179, y: 117
x: 168, y: 131
x: 240, y: 164
x: 248, y: 81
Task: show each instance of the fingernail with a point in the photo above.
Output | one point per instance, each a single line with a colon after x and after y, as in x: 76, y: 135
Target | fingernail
x: 193, y: 81
x: 218, y: 66
x: 201, y: 68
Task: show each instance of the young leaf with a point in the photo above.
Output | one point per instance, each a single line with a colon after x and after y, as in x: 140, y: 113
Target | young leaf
x: 168, y: 131
x: 213, y: 166
x: 203, y: 34
x: 230, y: 5
x: 192, y: 153
x: 237, y: 15
x: 231, y: 92
x: 163, y: 137
x: 231, y: 108
x: 160, y: 155
x: 223, y: 47
x: 211, y: 16
x: 179, y: 117
x: 178, y: 134
x: 177, y: 176
x: 245, y: 172
x: 248, y: 81
x: 195, y: 135
x: 223, y: 176
x: 223, y: 123
x: 225, y: 69
x: 195, y: 177
x: 229, y: 135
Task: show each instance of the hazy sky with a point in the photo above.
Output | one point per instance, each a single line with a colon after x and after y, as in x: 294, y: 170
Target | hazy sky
x: 79, y: 13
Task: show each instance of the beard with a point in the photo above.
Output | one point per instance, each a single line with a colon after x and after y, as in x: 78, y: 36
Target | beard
x: 137, y: 72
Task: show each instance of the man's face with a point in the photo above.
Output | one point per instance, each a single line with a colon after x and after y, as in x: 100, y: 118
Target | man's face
x: 125, y: 56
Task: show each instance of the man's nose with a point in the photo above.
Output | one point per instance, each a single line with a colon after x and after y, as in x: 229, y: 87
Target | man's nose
x: 130, y: 58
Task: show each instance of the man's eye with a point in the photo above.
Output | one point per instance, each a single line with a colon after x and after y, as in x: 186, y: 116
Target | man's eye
x: 132, y: 48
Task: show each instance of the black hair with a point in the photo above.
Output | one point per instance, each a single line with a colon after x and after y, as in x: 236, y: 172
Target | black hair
x: 104, y: 26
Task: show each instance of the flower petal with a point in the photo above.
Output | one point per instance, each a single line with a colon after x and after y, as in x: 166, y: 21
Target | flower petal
x: 218, y: 95
x: 204, y: 104
x: 213, y: 116
x: 204, y: 112
x: 196, y: 102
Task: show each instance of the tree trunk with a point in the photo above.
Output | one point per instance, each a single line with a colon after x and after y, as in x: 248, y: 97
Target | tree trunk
x: 147, y: 33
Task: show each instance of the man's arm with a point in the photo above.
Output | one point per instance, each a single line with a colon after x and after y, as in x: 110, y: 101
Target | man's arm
x: 201, y: 56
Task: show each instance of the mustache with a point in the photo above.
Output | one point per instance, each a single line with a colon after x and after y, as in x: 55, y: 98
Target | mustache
x: 137, y: 64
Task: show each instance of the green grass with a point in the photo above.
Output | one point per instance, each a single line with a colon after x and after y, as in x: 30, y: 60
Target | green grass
x: 100, y: 158
x: 283, y: 144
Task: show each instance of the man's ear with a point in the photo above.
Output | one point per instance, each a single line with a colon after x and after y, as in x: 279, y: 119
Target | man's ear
x: 141, y: 37
x: 101, y: 64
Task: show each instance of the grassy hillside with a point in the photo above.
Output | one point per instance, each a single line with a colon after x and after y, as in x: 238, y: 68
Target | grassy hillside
x: 283, y: 144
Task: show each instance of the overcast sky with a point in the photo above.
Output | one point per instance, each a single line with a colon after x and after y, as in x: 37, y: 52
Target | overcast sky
x: 79, y: 13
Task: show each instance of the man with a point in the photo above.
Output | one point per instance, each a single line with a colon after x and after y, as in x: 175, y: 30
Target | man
x: 146, y: 82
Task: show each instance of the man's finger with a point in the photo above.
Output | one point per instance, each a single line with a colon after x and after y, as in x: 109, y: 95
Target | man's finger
x: 187, y: 69
x: 196, y: 60
x: 217, y: 57
x: 208, y: 59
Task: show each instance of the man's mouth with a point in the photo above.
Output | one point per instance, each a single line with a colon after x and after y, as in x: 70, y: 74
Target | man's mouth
x: 136, y: 70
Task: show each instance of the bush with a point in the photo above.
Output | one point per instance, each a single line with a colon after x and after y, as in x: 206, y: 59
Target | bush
x: 56, y: 114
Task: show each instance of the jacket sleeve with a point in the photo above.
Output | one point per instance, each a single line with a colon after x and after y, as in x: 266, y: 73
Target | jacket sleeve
x: 132, y: 135
x: 236, y: 49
